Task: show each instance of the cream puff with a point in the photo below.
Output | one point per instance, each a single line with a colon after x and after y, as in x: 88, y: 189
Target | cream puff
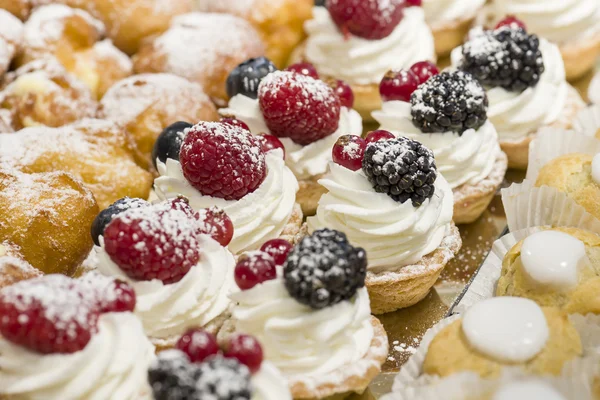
x: 11, y: 36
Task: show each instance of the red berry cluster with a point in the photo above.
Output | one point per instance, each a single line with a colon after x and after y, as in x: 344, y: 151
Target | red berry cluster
x: 400, y: 84
x: 200, y: 345
x: 56, y: 314
x: 348, y: 151
x: 512, y: 22
x: 259, y: 266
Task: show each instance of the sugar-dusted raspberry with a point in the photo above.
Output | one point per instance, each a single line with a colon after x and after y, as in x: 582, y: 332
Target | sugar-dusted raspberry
x: 198, y: 345
x: 424, y: 70
x: 112, y: 295
x: 368, y: 19
x: 278, y: 249
x: 253, y: 268
x: 380, y: 134
x: 157, y: 242
x: 222, y: 160
x: 106, y: 215
x: 246, y: 349
x: 398, y: 85
x: 216, y: 223
x: 299, y: 107
x: 414, y: 3
x: 236, y: 122
x: 512, y: 22
x: 271, y: 142
x: 348, y: 151
x: 304, y: 68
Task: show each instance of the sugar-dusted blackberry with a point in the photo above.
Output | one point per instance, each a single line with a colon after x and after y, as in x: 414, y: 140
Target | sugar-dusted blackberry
x: 451, y: 101
x: 402, y: 168
x: 224, y: 379
x: 173, y: 377
x: 245, y: 78
x: 507, y: 57
x: 324, y: 269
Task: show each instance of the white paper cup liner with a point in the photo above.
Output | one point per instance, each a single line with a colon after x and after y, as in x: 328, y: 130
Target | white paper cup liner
x: 594, y: 89
x: 587, y: 121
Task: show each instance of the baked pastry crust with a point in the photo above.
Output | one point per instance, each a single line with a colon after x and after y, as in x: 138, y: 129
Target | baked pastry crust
x: 309, y: 193
x: 580, y: 57
x: 392, y: 290
x: 11, y: 38
x: 13, y: 268
x: 18, y: 8
x: 451, y: 34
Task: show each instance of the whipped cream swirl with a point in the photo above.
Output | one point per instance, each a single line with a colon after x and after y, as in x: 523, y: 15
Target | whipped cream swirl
x: 167, y: 310
x: 465, y: 159
x: 113, y: 365
x: 299, y: 340
x: 441, y: 12
x: 559, y: 21
x: 364, y: 62
x: 269, y: 384
x: 257, y: 217
x: 304, y: 161
x: 393, y: 234
x: 518, y: 114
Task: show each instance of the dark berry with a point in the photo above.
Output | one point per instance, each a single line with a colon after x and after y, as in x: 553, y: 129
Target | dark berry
x: 216, y: 223
x: 449, y: 102
x: 253, y: 268
x: 304, y: 68
x: 512, y: 22
x: 168, y: 143
x: 368, y: 19
x: 402, y: 168
x: 235, y: 122
x: 198, y: 345
x: 173, y: 377
x: 343, y: 91
x: 398, y: 85
x: 324, y: 269
x: 246, y: 77
x: 375, y: 136
x: 348, y: 151
x: 224, y: 379
x: 278, y: 249
x: 246, y: 350
x: 506, y: 57
x: 320, y: 3
x: 271, y: 142
x: 107, y: 215
x: 424, y: 70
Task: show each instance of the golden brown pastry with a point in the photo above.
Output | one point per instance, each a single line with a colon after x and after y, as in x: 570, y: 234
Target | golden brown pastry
x: 98, y: 152
x: 203, y: 48
x: 76, y: 40
x: 11, y: 36
x: 47, y: 217
x: 280, y: 23
x: 146, y: 104
x: 44, y: 93
x: 13, y: 268
x: 19, y: 8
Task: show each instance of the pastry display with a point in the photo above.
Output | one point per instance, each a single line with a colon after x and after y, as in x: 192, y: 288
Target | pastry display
x: 146, y: 104
x: 56, y: 333
x: 280, y: 23
x: 75, y: 39
x: 358, y: 41
x: 174, y: 259
x: 388, y: 197
x: 201, y: 47
x: 315, y: 117
x: 224, y: 165
x: 313, y: 317
x: 98, y: 152
x: 11, y: 36
x: 574, y: 26
x: 527, y: 91
x: 447, y: 112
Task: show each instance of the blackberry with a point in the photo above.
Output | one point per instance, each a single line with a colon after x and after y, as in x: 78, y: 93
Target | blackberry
x: 402, y: 168
x: 224, y: 379
x: 505, y: 57
x: 451, y: 101
x: 107, y: 215
x: 324, y: 269
x: 173, y: 377
x: 168, y: 143
x: 245, y: 78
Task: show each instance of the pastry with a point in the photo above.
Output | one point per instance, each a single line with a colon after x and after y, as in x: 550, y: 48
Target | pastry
x: 75, y: 39
x: 56, y: 336
x: 201, y: 47
x: 450, y: 21
x: 313, y: 317
x: 280, y: 23
x: 535, y: 96
x: 98, y: 152
x: 171, y: 257
x: 146, y: 104
x: 251, y: 183
x: 46, y: 217
x: 11, y: 35
x: 501, y: 332
x: 19, y: 8
x: 402, y: 219
x: 466, y: 148
x: 307, y: 152
x: 42, y: 92
x: 574, y: 26
x: 13, y: 268
x: 361, y: 49
x: 557, y: 267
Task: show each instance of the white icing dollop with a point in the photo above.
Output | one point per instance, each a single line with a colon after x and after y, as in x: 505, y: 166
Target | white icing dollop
x: 518, y: 114
x: 360, y: 61
x: 462, y: 159
x: 444, y: 12
x: 553, y: 258
x: 527, y: 390
x: 269, y: 384
x: 257, y: 217
x: 393, y: 234
x: 197, y: 299
x: 299, y: 340
x: 510, y: 329
x: 113, y: 365
x: 596, y: 168
x: 304, y: 161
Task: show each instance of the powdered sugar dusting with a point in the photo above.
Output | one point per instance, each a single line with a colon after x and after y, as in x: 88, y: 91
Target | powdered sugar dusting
x: 312, y: 89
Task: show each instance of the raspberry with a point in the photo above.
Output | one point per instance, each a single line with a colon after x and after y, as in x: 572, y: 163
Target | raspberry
x: 198, y: 345
x: 278, y: 249
x: 348, y: 151
x: 368, y: 19
x: 106, y: 215
x: 271, y: 142
x: 375, y: 136
x: 122, y: 298
x: 222, y: 160
x: 157, y: 242
x: 304, y: 68
x: 253, y: 268
x: 246, y: 350
x: 512, y: 22
x: 424, y: 70
x: 414, y: 3
x: 299, y: 107
x: 398, y: 85
x: 343, y: 91
x: 235, y: 122
x: 216, y: 223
